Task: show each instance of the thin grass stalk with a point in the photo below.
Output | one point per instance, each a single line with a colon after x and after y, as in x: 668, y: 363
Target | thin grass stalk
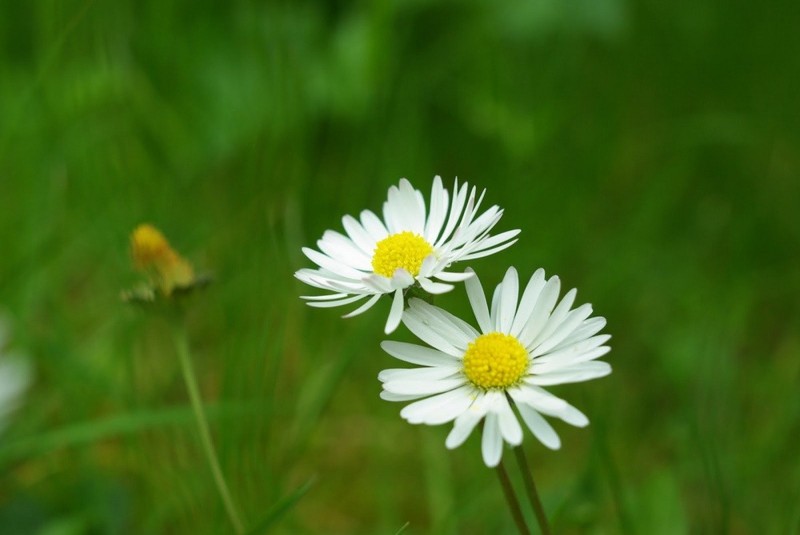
x: 182, y: 347
x: 511, y: 499
x: 530, y: 490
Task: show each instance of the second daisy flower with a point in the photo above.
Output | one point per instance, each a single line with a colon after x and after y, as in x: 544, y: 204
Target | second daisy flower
x: 468, y: 375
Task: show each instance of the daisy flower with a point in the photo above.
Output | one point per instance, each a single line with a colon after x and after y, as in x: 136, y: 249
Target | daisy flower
x: 14, y: 379
x: 412, y: 244
x: 497, y: 373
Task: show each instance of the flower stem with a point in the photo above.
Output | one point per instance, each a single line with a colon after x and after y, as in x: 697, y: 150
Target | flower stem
x: 511, y: 499
x: 182, y: 346
x: 530, y: 489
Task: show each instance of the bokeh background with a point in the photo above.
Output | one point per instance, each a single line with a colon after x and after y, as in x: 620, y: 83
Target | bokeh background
x: 648, y: 151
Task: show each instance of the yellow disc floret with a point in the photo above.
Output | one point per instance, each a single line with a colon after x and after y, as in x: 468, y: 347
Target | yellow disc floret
x: 402, y: 250
x: 495, y: 360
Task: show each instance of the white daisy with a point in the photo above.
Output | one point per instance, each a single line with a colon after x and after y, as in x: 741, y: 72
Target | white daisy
x: 14, y: 379
x: 411, y: 245
x: 469, y: 375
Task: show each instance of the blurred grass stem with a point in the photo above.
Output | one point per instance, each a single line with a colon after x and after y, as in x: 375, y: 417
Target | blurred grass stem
x: 182, y: 347
x: 511, y: 499
x: 530, y: 490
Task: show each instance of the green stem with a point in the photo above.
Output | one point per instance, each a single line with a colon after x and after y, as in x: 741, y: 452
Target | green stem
x: 511, y: 499
x: 530, y: 489
x: 417, y: 291
x: 182, y: 346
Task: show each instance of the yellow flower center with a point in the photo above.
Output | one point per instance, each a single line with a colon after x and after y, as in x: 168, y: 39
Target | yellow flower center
x: 402, y: 250
x: 495, y: 360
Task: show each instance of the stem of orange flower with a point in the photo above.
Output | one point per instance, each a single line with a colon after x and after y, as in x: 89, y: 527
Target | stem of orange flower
x: 511, y: 499
x: 182, y: 347
x: 530, y: 489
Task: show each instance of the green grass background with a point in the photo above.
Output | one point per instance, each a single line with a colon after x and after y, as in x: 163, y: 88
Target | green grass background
x: 647, y: 150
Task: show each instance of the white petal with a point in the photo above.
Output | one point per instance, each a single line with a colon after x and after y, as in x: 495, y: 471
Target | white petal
x: 325, y: 276
x: 391, y: 396
x: 429, y: 266
x: 567, y: 359
x: 342, y: 249
x: 570, y: 323
x: 428, y: 335
x: 469, y: 210
x: 439, y: 409
x: 495, y: 243
x: 508, y: 301
x: 468, y: 331
x: 584, y: 371
x: 415, y: 354
x: 438, y: 210
x: 337, y: 303
x: 434, y: 287
x: 459, y: 196
x: 558, y: 315
x: 536, y: 397
x: 571, y: 415
x: 485, y: 253
x: 540, y: 428
x: 363, y: 308
x: 401, y: 210
x: 528, y: 302
x: 478, y: 301
x: 415, y: 207
x: 456, y: 332
x: 492, y: 442
x: 378, y: 283
x: 320, y: 279
x: 403, y: 203
x: 392, y: 213
x: 418, y: 374
x: 423, y: 387
x: 476, y: 238
x: 395, y: 313
x: 401, y: 279
x: 495, y: 312
x: 468, y: 240
x: 359, y: 235
x: 470, y: 235
x: 326, y: 297
x: 565, y: 354
x: 332, y: 265
x: 541, y: 312
x: 373, y: 225
x: 546, y: 403
x: 589, y: 328
x: 463, y: 426
x: 448, y: 276
x: 508, y: 424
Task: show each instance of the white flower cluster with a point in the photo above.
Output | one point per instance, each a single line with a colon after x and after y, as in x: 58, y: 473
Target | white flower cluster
x: 494, y: 373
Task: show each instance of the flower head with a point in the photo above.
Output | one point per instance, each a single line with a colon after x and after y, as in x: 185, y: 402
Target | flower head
x: 412, y: 245
x: 169, y: 275
x: 15, y: 375
x: 152, y: 254
x: 496, y: 373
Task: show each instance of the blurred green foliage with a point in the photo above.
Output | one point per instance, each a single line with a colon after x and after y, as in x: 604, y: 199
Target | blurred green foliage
x: 648, y: 151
